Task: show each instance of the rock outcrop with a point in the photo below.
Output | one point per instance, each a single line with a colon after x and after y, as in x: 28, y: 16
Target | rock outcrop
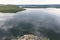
x: 29, y: 37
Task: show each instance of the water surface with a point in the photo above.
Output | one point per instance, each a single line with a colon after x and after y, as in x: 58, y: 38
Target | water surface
x: 49, y: 18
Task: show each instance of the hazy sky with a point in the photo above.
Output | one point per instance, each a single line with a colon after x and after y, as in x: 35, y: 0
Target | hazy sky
x: 29, y: 1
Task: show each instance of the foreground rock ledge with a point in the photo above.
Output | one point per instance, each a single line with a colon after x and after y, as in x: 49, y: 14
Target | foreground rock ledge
x: 29, y: 37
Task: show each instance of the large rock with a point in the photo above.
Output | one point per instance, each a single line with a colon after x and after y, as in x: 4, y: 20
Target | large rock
x: 29, y: 37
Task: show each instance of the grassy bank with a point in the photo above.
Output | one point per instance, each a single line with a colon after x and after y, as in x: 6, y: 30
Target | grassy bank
x: 10, y: 8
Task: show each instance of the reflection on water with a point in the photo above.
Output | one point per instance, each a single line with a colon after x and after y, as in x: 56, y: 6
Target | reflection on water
x: 7, y: 16
x: 31, y: 20
x: 4, y: 17
x: 54, y: 11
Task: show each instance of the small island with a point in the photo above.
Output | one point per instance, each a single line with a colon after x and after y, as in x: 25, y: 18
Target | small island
x: 10, y: 8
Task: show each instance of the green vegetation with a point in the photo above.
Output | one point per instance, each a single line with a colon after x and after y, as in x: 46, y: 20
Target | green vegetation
x: 10, y: 8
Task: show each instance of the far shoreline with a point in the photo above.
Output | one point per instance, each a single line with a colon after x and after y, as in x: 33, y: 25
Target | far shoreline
x: 10, y: 9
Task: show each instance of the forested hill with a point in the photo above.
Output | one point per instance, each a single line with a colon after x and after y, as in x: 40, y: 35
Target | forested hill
x: 41, y: 6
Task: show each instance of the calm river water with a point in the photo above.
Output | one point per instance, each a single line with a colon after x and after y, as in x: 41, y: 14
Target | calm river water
x: 48, y: 18
x: 6, y: 16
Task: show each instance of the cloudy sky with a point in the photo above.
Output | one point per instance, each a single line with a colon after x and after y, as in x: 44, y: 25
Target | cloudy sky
x: 29, y: 1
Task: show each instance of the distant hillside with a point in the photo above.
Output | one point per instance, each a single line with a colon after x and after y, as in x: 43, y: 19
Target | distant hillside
x: 41, y: 6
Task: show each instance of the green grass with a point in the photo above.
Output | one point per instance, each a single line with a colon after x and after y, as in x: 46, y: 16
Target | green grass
x: 10, y: 8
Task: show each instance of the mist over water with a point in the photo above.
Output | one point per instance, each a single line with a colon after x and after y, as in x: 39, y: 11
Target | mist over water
x: 32, y: 21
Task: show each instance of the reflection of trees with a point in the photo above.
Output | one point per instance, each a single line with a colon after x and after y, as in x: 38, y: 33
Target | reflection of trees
x: 2, y: 34
x: 21, y: 29
x: 50, y: 34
